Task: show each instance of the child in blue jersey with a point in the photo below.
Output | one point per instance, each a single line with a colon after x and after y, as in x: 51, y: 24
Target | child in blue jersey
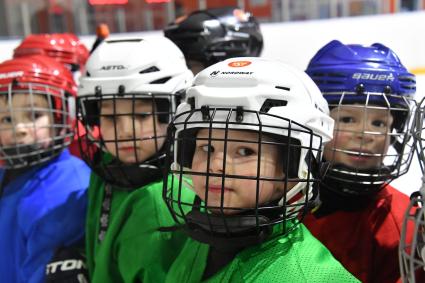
x: 43, y: 200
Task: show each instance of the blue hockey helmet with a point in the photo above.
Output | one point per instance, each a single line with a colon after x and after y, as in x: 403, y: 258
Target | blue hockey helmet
x: 355, y: 70
x: 367, y: 77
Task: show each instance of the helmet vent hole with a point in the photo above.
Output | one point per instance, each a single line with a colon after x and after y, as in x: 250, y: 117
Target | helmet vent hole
x: 124, y: 40
x: 283, y: 88
x: 270, y: 103
x: 161, y: 81
x: 149, y: 70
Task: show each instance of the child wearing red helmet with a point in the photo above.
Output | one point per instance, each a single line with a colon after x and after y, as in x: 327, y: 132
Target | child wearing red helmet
x: 65, y: 48
x: 43, y: 200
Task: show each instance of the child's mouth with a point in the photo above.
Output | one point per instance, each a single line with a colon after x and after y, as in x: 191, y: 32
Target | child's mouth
x: 127, y: 149
x: 360, y: 156
x: 217, y: 189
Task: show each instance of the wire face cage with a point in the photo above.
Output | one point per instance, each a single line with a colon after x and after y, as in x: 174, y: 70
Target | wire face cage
x: 125, y: 135
x: 372, y: 142
x: 419, y: 135
x: 35, y: 123
x: 252, y: 172
x: 412, y: 244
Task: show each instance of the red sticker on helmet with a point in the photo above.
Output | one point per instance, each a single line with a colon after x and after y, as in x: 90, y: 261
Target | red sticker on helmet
x: 240, y: 15
x: 237, y: 64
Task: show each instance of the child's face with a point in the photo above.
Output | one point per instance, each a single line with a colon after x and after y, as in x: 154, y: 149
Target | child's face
x: 359, y: 129
x: 25, y: 122
x: 241, y: 160
x: 131, y: 140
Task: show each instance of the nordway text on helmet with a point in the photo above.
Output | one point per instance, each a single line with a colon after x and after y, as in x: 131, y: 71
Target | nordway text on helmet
x: 215, y: 73
x: 373, y: 77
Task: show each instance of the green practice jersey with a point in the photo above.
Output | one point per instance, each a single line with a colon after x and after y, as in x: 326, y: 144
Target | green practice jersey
x: 133, y: 248
x: 96, y: 195
x: 296, y: 257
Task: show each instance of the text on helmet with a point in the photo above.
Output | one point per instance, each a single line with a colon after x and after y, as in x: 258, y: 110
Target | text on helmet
x: 11, y: 74
x: 373, y: 77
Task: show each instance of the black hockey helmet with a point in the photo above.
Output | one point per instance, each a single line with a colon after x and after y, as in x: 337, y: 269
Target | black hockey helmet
x: 212, y: 35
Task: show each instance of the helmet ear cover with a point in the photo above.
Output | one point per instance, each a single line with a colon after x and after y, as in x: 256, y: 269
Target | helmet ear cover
x: 289, y: 155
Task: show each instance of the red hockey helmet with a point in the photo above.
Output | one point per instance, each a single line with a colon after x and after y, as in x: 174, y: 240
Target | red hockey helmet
x: 63, y: 47
x: 31, y: 76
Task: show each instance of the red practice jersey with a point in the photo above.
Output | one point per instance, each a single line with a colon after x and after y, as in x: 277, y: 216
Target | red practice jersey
x: 365, y: 241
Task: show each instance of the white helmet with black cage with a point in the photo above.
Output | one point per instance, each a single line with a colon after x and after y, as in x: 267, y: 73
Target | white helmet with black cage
x: 283, y: 107
x: 130, y: 69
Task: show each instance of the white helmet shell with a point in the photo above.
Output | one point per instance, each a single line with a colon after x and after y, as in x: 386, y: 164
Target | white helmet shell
x: 154, y: 65
x: 248, y: 82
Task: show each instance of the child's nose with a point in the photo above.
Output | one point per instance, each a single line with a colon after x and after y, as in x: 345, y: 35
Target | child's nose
x: 220, y: 163
x: 22, y: 129
x: 365, y: 135
x: 125, y: 127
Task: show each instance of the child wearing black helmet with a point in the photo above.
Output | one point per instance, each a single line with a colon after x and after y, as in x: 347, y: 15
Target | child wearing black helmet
x: 210, y: 36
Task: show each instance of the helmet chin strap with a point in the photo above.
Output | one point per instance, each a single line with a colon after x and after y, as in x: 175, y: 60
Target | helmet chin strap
x: 26, y: 155
x: 341, y: 180
x: 230, y: 232
x: 128, y: 177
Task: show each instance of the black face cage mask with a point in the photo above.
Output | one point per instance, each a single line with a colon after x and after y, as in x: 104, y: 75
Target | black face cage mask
x: 256, y: 222
x: 355, y: 182
x: 126, y: 176
x: 20, y: 154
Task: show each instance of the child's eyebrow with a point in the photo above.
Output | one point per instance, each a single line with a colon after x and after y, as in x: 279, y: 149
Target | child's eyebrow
x: 32, y: 105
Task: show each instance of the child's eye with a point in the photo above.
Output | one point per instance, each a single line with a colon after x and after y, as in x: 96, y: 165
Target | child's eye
x: 39, y: 114
x: 142, y: 116
x: 205, y: 148
x: 108, y: 117
x: 6, y: 120
x: 379, y: 123
x: 346, y: 119
x: 244, y: 151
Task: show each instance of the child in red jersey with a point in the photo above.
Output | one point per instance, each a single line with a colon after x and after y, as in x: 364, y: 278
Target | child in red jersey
x: 370, y: 95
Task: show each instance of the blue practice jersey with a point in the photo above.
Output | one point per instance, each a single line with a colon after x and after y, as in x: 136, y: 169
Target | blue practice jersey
x: 41, y: 210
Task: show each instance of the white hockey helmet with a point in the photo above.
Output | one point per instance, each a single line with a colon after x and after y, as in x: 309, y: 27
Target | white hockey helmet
x: 260, y: 95
x: 133, y: 68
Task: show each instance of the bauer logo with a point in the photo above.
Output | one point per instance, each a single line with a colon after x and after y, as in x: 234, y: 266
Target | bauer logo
x: 11, y: 75
x: 373, y: 77
x: 238, y: 64
x: 112, y: 67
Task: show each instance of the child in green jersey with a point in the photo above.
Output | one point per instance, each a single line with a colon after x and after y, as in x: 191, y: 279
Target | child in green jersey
x: 125, y: 103
x: 249, y: 137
